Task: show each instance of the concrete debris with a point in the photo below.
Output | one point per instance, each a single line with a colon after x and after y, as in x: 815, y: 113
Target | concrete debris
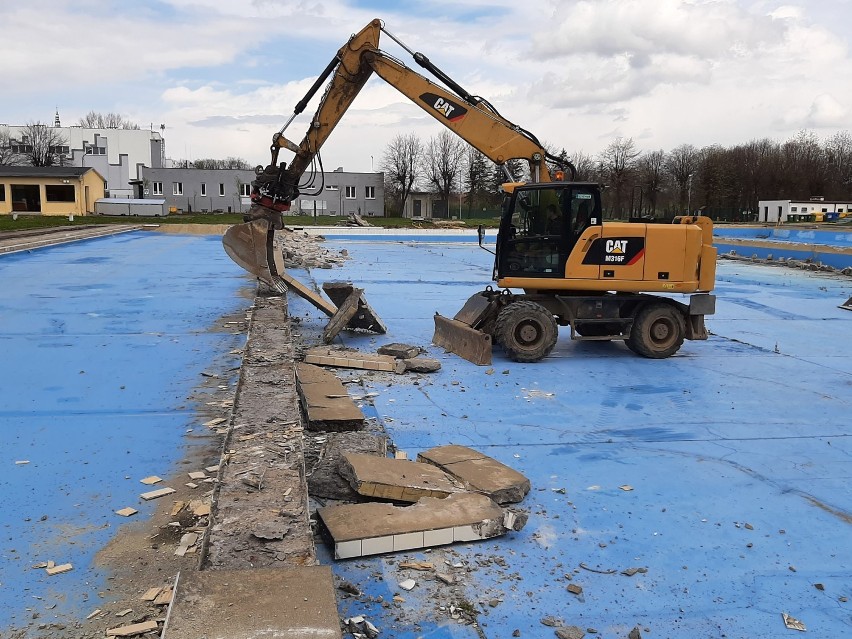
x: 408, y: 584
x: 478, y: 472
x: 629, y: 572
x: 792, y: 623
x: 399, y: 351
x: 58, y: 569
x: 574, y: 589
x: 360, y: 628
x: 357, y: 530
x: 445, y: 578
x: 570, y: 632
x: 301, y: 250
x: 124, y: 613
x: 325, y: 400
x: 93, y: 614
x: 126, y: 512
x: 151, y: 594
x: 164, y: 598
x: 394, y: 479
x: 156, y: 494
x: 362, y: 317
x: 132, y: 630
x: 324, y: 356
x: 416, y: 565
x: 323, y: 479
x: 635, y: 633
x: 552, y: 621
x: 270, y: 531
x: 417, y: 365
x: 153, y: 479
x: 350, y: 589
x: 186, y: 542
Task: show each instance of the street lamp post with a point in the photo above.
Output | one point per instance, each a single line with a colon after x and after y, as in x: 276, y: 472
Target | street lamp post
x: 689, y: 194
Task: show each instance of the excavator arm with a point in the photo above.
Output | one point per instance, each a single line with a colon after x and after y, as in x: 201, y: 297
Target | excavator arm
x: 471, y: 118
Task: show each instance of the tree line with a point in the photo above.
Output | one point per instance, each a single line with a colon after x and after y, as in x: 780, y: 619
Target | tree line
x: 725, y: 183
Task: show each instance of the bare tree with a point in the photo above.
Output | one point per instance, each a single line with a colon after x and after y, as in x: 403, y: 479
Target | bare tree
x: 838, y: 151
x: 7, y: 156
x: 95, y: 120
x: 401, y: 163
x: 681, y: 163
x: 41, y: 144
x: 651, y: 177
x: 618, y: 163
x: 442, y: 163
x: 228, y: 163
x: 585, y: 166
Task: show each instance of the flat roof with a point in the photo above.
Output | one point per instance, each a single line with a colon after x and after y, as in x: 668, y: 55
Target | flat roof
x: 44, y: 171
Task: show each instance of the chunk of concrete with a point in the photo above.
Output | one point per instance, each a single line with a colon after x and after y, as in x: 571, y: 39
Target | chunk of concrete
x: 421, y: 365
x: 357, y: 530
x: 290, y: 603
x: 326, y: 403
x: 324, y: 480
x: 400, y: 351
x: 325, y: 356
x: 364, y: 318
x: 395, y: 479
x: 478, y: 472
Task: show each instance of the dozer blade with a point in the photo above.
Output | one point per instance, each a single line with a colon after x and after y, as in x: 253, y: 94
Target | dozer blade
x: 459, y: 338
x: 251, y: 245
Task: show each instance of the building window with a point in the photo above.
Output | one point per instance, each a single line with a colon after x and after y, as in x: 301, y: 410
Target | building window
x: 370, y: 192
x: 350, y: 192
x: 245, y: 190
x: 22, y: 148
x: 95, y: 150
x: 2, y: 192
x: 331, y: 187
x: 793, y: 209
x: 177, y: 188
x: 59, y: 192
x: 158, y: 188
x: 60, y: 150
x: 203, y: 189
x: 221, y: 188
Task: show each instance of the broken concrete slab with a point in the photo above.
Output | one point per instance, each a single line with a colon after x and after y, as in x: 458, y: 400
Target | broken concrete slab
x: 307, y: 294
x: 345, y: 312
x: 290, y: 603
x: 326, y: 403
x: 395, y: 479
x: 325, y: 356
x: 357, y: 530
x: 132, y: 630
x: 324, y: 481
x: 418, y: 365
x: 478, y: 472
x: 364, y: 318
x: 156, y: 494
x: 399, y: 351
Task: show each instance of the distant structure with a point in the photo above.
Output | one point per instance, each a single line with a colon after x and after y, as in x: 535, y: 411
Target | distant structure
x: 814, y: 209
x: 116, y: 154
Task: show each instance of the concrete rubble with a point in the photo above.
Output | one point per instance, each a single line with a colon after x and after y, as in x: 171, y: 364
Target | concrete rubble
x: 324, y: 399
x: 395, y: 479
x: 350, y: 358
x: 358, y: 530
x: 478, y: 472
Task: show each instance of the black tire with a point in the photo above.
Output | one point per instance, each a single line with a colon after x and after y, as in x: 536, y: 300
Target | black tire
x: 597, y: 330
x: 658, y: 331
x: 527, y: 331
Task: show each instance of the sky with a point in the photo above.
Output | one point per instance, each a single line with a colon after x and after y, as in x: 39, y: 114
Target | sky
x: 224, y: 76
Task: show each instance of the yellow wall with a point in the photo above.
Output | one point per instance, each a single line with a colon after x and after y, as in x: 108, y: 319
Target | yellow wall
x: 81, y: 205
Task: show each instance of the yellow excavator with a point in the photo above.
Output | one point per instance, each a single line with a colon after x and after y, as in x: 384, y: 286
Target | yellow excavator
x: 601, y: 279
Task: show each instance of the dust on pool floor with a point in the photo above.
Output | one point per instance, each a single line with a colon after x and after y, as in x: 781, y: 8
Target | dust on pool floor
x: 722, y: 473
x: 105, y: 345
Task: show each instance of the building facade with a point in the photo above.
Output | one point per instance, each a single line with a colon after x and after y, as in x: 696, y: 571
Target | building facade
x: 49, y: 190
x: 117, y: 154
x: 343, y: 193
x: 190, y: 190
x: 811, y: 210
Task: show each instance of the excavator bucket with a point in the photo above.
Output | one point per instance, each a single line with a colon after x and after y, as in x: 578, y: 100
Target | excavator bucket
x: 461, y: 335
x: 251, y: 245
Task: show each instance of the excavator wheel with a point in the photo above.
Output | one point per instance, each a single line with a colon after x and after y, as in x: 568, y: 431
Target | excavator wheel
x: 526, y: 330
x: 658, y: 331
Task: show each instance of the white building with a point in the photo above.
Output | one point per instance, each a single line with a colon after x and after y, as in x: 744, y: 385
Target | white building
x: 116, y: 154
x: 794, y: 210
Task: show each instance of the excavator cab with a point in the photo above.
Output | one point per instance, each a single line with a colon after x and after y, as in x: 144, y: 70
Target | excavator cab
x: 540, y: 226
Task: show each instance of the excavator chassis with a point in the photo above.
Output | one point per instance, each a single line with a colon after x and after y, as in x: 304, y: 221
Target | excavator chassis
x: 525, y: 325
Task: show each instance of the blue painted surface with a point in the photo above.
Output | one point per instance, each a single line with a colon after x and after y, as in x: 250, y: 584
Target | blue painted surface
x: 103, y: 341
x: 749, y: 427
x: 829, y: 237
